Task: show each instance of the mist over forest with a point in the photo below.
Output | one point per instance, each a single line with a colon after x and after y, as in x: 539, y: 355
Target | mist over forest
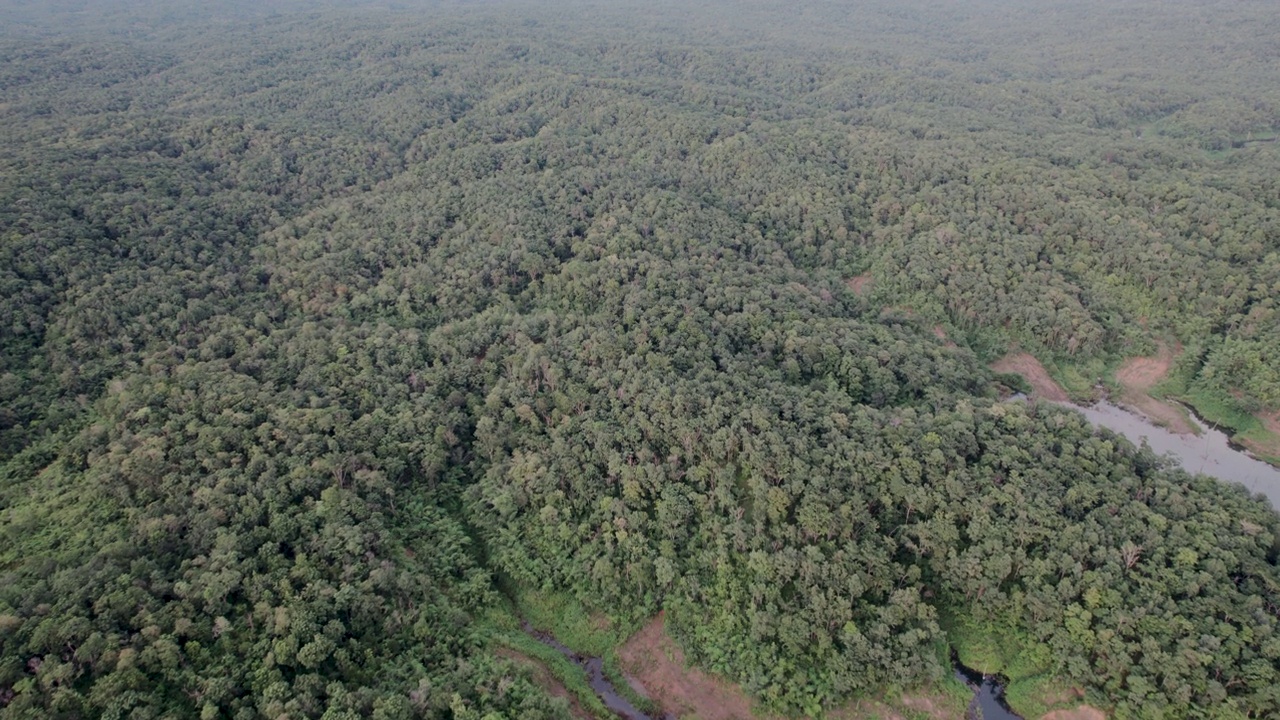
x: 343, y: 344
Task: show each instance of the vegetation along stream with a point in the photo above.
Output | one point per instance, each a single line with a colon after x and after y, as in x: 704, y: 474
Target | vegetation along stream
x: 594, y: 668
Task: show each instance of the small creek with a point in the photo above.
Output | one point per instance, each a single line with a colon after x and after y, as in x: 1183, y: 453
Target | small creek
x: 594, y: 668
x: 988, y: 694
x: 1209, y: 453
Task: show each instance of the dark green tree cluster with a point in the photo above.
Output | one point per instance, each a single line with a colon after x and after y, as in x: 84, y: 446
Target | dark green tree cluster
x: 313, y: 323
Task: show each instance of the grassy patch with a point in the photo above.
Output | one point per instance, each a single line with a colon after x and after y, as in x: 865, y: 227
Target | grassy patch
x: 1243, y: 427
x: 569, y: 673
x: 1221, y: 411
x: 588, y: 633
x: 993, y: 646
x: 1014, y: 382
x: 1260, y: 442
x: 948, y: 699
x: 1033, y: 697
x: 957, y: 694
x: 562, y: 615
x: 1080, y: 378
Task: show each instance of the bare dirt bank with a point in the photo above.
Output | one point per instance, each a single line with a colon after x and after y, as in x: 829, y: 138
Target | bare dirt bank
x: 1137, y: 376
x: 1030, y: 368
x: 658, y: 665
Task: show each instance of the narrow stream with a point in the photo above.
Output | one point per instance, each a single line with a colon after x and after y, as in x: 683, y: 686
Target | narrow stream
x: 988, y: 698
x: 594, y: 667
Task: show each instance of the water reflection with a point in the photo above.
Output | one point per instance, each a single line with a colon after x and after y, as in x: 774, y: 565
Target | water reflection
x: 988, y: 694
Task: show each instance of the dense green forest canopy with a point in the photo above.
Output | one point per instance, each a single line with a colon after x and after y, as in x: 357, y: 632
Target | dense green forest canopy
x: 316, y: 320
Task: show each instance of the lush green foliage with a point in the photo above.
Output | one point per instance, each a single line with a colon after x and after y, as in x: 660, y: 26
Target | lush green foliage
x: 315, y: 323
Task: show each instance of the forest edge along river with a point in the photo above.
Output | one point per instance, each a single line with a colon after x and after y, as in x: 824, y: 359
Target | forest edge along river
x: 1209, y: 453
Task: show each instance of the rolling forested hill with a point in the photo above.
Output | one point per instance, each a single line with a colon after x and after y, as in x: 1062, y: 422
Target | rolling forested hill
x: 326, y: 328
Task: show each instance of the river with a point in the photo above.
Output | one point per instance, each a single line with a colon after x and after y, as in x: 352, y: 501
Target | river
x: 1209, y: 453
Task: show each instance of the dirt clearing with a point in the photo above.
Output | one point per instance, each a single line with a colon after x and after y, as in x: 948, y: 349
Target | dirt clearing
x: 860, y: 285
x: 1084, y: 712
x: 1031, y: 369
x: 654, y: 660
x: 1137, y: 376
x: 1142, y: 373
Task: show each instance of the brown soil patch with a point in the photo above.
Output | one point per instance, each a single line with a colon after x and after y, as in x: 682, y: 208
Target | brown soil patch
x: 860, y: 285
x: 653, y: 659
x: 1084, y: 712
x: 1031, y: 369
x: 545, y: 680
x: 928, y: 706
x: 1137, y: 376
x: 917, y: 706
x: 1142, y: 373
